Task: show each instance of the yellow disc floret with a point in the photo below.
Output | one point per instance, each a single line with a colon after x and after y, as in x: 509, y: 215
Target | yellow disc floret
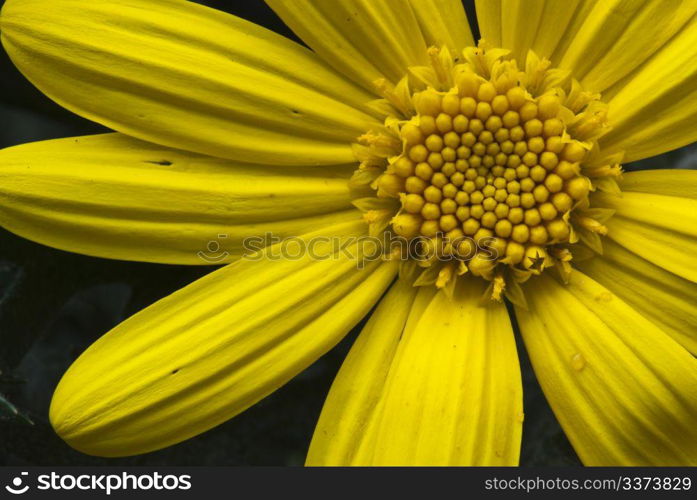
x: 489, y: 164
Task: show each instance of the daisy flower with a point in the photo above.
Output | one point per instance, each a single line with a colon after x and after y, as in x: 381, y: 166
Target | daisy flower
x: 497, y: 162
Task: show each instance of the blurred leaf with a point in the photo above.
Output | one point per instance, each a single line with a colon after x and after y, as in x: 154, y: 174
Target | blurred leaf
x: 10, y: 411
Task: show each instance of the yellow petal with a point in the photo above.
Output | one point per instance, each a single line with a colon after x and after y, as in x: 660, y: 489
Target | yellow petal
x: 555, y: 23
x: 617, y: 36
x: 661, y: 229
x: 520, y: 25
x: 624, y: 392
x: 662, y: 297
x: 441, y: 387
x: 214, y: 348
x: 652, y: 109
x: 668, y: 212
x: 117, y: 197
x: 182, y: 75
x: 357, y: 388
x: 363, y: 39
x: 520, y: 21
x: 443, y: 22
x: 489, y: 20
x: 668, y: 182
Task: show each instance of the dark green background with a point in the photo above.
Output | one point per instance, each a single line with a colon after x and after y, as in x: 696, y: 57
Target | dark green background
x: 53, y: 304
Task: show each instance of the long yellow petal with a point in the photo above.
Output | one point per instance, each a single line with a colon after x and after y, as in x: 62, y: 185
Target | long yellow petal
x: 617, y: 36
x: 489, y: 20
x: 441, y: 387
x: 662, y: 297
x: 363, y: 39
x: 599, y: 42
x: 624, y: 392
x: 668, y: 212
x: 443, y: 22
x: 652, y: 109
x: 520, y: 25
x: 117, y: 197
x: 667, y: 182
x: 661, y: 229
x: 520, y: 22
x: 216, y: 347
x: 357, y: 388
x: 183, y: 75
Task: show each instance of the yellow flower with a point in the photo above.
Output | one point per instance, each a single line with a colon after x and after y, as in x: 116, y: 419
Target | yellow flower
x: 501, y: 160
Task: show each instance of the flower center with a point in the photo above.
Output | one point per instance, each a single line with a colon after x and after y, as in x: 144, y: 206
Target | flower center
x: 492, y: 166
x: 486, y: 170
